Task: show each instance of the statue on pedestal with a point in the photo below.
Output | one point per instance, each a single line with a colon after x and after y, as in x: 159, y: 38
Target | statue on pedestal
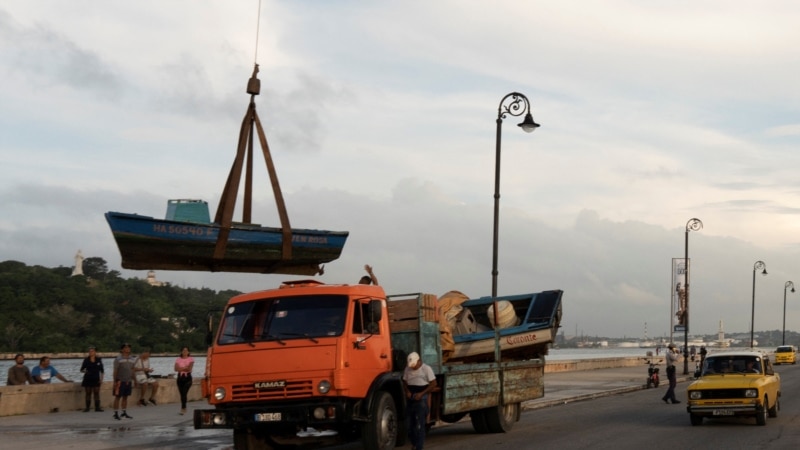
x: 78, y: 269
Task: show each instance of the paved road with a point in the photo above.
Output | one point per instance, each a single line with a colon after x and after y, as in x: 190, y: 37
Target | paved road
x: 162, y: 427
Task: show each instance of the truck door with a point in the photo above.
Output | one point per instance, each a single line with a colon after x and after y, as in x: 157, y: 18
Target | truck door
x: 370, y: 352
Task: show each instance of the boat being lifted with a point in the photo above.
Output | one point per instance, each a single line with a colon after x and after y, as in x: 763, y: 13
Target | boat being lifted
x: 188, y: 240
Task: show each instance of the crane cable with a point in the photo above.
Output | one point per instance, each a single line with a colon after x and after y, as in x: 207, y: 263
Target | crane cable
x: 258, y: 25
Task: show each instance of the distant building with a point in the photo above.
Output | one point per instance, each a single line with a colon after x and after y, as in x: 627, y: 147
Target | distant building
x: 151, y: 279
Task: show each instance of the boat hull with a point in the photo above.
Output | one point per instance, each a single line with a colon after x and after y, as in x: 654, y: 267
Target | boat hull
x: 146, y: 243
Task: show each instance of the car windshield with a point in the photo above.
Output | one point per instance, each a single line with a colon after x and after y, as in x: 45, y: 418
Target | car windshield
x: 785, y: 349
x: 731, y: 364
x: 280, y: 319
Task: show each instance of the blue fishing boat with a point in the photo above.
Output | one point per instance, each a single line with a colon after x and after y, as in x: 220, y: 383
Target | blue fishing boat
x: 188, y: 240
x: 524, y: 327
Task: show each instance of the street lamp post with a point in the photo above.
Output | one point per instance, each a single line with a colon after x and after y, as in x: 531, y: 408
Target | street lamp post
x: 786, y: 286
x: 514, y: 104
x: 694, y: 224
x: 759, y: 265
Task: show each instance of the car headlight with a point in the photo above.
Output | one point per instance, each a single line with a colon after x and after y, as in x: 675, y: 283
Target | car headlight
x: 324, y: 387
x: 219, y: 393
x: 695, y: 395
x: 751, y: 393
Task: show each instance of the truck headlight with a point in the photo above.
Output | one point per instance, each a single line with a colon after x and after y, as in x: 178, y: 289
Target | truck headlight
x: 695, y: 395
x: 751, y: 393
x: 219, y: 393
x: 324, y: 387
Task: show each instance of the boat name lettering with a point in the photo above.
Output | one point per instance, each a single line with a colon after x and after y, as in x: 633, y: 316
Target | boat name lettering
x: 180, y: 229
x: 270, y: 384
x: 523, y: 339
x: 310, y: 239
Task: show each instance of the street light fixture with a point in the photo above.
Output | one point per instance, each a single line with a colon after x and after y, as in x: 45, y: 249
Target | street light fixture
x: 514, y: 104
x: 786, y: 286
x: 694, y: 224
x: 759, y: 265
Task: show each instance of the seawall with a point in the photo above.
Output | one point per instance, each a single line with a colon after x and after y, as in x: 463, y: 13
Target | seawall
x: 56, y: 397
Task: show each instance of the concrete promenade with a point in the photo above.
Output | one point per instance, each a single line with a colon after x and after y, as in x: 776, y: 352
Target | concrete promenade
x: 69, y: 428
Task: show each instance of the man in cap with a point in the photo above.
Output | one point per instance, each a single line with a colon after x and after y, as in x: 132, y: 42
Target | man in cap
x: 673, y: 356
x: 418, y: 381
x: 123, y: 380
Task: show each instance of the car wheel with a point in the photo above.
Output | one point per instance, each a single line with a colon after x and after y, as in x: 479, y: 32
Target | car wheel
x: 761, y: 413
x: 696, y: 420
x: 773, y: 412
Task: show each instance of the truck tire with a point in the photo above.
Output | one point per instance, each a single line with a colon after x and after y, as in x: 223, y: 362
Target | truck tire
x: 696, y: 420
x: 500, y: 419
x: 244, y: 440
x: 478, y: 419
x: 381, y: 432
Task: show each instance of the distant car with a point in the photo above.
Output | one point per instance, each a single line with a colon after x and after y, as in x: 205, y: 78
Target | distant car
x: 786, y: 354
x: 732, y: 384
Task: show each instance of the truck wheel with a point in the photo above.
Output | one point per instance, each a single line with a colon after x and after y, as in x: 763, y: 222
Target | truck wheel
x: 244, y: 440
x: 381, y: 432
x: 696, y: 420
x: 773, y: 412
x: 500, y: 419
x: 478, y: 419
x: 761, y: 413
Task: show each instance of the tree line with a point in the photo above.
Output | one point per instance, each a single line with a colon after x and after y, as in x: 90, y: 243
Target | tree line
x: 47, y: 310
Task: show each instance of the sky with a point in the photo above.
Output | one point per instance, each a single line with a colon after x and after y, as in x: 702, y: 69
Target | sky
x: 381, y: 120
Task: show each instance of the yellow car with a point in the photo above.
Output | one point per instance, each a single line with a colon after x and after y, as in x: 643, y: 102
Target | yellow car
x: 785, y: 354
x: 732, y: 384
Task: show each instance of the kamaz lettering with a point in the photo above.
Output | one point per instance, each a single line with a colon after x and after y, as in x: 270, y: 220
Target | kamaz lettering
x: 270, y: 384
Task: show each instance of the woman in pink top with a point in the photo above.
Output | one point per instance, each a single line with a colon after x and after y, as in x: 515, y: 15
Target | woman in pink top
x: 184, y: 365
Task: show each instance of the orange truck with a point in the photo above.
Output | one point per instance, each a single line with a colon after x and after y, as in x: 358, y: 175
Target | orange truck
x: 310, y: 365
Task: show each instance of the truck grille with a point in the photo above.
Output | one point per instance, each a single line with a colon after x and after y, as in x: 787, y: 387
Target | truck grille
x: 713, y: 394
x: 293, y: 389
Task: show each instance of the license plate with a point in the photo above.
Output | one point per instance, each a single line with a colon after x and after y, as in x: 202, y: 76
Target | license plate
x: 268, y: 417
x: 723, y: 412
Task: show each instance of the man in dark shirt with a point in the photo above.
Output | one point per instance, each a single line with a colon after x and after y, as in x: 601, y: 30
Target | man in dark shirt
x: 19, y: 372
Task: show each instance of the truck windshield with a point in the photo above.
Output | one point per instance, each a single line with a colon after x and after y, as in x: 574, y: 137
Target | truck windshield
x: 281, y: 319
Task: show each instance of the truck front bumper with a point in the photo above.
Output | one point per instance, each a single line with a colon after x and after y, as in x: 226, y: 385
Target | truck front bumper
x: 285, y: 417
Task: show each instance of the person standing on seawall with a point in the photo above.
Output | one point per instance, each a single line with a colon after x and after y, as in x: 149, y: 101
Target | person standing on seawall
x: 19, y: 373
x: 184, y: 365
x: 92, y: 370
x: 673, y: 357
x: 123, y: 380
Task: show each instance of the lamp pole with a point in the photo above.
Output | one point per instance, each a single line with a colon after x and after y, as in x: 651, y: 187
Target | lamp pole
x: 513, y: 104
x: 759, y: 265
x: 786, y: 286
x: 694, y: 224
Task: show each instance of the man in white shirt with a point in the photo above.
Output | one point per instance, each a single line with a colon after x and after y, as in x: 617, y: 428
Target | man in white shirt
x: 418, y: 381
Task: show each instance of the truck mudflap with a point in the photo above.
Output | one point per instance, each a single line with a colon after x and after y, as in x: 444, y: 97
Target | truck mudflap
x: 280, y: 418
